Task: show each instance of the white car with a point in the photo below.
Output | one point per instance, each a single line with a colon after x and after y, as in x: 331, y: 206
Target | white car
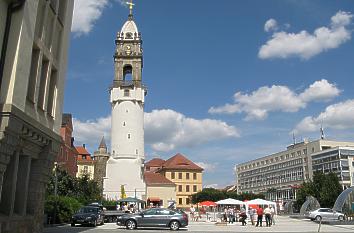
x: 326, y: 214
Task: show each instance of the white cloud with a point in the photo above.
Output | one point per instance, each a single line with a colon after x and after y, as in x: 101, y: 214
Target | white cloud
x: 165, y: 130
x: 266, y: 99
x: 271, y: 25
x: 306, y: 45
x: 338, y: 116
x: 86, y: 13
x: 208, y: 167
x: 320, y: 91
x: 90, y: 132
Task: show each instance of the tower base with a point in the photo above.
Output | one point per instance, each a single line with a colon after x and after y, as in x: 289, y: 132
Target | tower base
x: 126, y: 172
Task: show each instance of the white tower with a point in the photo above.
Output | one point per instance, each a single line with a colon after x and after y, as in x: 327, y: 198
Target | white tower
x: 126, y: 164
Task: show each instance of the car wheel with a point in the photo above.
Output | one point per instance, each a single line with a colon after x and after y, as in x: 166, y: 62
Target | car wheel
x: 72, y: 224
x: 130, y: 224
x: 318, y: 218
x: 341, y: 218
x: 174, y: 226
x: 94, y: 223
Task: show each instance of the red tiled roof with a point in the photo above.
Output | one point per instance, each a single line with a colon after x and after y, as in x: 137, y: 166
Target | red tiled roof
x: 156, y: 178
x: 87, y: 158
x: 156, y: 162
x: 82, y: 150
x: 180, y: 162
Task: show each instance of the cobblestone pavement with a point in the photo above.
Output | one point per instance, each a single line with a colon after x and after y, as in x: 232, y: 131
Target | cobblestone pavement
x: 283, y: 224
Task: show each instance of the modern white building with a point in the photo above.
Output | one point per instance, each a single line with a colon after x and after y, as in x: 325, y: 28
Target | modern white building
x: 126, y: 164
x: 339, y: 160
x: 279, y: 175
x: 34, y: 41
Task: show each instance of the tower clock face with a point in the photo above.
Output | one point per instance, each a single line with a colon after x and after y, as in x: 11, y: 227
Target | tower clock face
x: 128, y: 50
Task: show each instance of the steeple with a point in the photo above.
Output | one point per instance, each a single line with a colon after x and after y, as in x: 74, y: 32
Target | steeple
x: 102, y: 144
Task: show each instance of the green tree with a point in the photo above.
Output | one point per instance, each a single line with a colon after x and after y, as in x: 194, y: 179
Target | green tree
x: 324, y: 187
x: 211, y: 194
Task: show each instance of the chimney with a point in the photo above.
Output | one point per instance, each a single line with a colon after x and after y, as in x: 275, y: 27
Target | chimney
x: 84, y: 145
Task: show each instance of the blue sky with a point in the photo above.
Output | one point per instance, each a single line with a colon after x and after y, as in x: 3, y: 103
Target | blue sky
x: 228, y: 81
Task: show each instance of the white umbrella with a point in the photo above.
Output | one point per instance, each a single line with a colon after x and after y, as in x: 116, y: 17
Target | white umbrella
x: 230, y: 201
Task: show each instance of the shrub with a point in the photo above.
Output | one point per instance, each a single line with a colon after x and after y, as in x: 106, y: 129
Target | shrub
x: 65, y: 208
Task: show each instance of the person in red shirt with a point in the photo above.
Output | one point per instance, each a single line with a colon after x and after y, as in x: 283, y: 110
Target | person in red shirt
x: 260, y: 216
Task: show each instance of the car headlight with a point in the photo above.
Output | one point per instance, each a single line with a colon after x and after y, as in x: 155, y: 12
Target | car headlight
x: 88, y: 218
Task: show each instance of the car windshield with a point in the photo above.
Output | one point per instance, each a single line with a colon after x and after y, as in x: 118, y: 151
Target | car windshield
x: 86, y: 210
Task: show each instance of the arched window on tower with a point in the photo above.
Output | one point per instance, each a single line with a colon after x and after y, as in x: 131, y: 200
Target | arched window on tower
x: 128, y: 73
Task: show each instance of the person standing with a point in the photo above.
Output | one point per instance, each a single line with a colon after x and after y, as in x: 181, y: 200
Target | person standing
x: 272, y: 213
x: 251, y: 213
x: 192, y: 212
x: 268, y: 216
x: 259, y: 216
x: 231, y: 215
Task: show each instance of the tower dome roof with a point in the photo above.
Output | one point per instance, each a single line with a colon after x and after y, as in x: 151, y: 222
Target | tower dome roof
x: 129, y: 29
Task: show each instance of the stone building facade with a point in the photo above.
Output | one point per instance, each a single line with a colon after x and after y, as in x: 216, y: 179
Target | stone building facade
x: 100, y: 157
x: 34, y: 38
x: 67, y: 156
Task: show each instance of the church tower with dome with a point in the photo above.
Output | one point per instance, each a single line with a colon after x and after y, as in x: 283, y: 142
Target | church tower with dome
x: 125, y: 166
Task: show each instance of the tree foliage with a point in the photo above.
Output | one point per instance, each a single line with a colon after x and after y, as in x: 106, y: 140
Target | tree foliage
x: 83, y: 189
x: 324, y: 187
x: 211, y: 194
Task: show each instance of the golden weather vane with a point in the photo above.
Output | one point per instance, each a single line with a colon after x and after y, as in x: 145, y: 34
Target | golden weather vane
x: 131, y: 4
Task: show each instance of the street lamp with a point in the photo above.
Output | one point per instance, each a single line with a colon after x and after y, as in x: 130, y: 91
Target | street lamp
x: 55, y: 191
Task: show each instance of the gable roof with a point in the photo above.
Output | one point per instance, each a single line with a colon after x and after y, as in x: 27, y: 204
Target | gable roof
x: 156, y: 162
x: 82, y: 150
x: 156, y: 178
x: 180, y: 162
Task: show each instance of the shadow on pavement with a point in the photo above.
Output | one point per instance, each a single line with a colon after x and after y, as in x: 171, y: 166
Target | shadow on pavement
x: 68, y: 229
x: 142, y: 229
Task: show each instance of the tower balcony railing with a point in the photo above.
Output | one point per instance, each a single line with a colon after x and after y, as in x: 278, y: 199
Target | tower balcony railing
x: 128, y: 83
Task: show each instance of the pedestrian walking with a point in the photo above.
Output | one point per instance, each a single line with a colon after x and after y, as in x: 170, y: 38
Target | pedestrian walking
x: 268, y: 216
x: 231, y: 215
x: 225, y: 215
x: 252, y: 213
x: 259, y: 216
x: 272, y: 213
x: 243, y: 217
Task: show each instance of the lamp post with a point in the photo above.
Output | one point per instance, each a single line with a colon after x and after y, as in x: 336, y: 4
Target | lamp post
x: 55, y: 191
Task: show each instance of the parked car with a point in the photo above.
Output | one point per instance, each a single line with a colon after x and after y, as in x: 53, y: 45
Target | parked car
x: 326, y: 214
x: 89, y: 215
x: 154, y: 217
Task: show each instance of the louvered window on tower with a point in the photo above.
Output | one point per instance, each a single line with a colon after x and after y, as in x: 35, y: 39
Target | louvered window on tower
x: 126, y: 93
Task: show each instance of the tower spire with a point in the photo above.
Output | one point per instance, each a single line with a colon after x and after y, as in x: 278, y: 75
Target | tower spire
x: 103, y: 144
x: 131, y: 4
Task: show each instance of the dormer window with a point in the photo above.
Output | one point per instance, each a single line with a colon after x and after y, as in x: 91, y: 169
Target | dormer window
x: 128, y: 35
x: 84, y: 157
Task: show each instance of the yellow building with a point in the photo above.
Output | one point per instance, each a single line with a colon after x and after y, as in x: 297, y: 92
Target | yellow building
x: 184, y: 173
x: 160, y: 191
x: 85, y: 163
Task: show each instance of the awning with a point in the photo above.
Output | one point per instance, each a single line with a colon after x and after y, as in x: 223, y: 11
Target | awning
x: 154, y: 199
x: 131, y: 199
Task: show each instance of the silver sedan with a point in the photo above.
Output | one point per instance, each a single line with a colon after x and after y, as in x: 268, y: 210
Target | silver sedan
x: 326, y: 214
